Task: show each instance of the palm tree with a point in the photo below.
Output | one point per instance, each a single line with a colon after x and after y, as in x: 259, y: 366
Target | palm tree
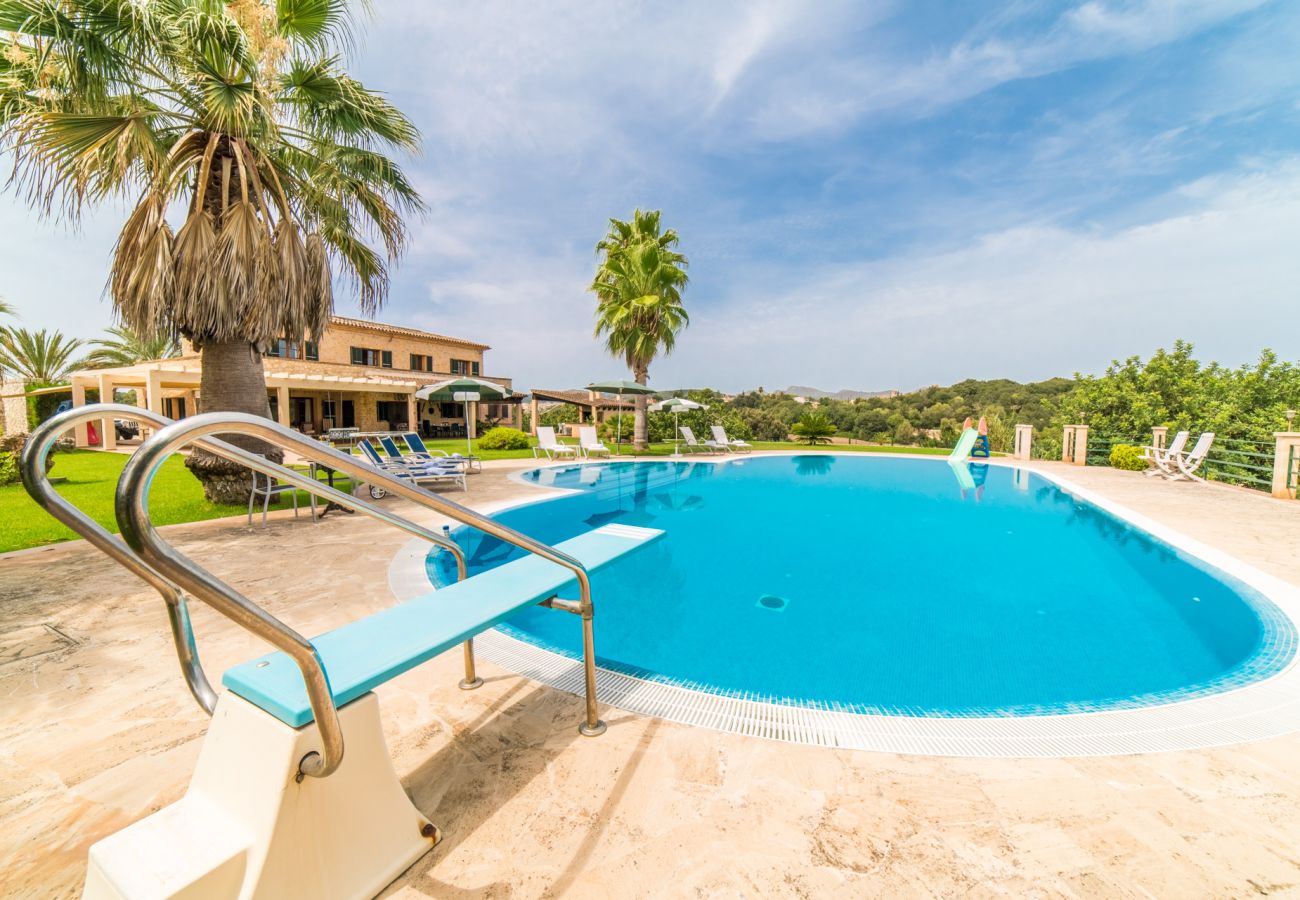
x: 38, y: 357
x: 6, y: 309
x: 127, y: 347
x: 638, y: 286
x: 235, y: 118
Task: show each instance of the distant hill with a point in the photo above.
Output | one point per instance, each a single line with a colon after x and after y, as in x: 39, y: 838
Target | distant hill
x: 812, y: 393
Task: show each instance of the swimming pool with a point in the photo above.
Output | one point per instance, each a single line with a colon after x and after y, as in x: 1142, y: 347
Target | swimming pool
x: 891, y: 586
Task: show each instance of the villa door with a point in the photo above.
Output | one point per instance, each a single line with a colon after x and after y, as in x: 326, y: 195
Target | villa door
x: 300, y: 413
x: 349, y: 415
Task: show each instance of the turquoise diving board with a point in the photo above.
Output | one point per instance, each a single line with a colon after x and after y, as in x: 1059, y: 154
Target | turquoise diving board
x: 366, y: 653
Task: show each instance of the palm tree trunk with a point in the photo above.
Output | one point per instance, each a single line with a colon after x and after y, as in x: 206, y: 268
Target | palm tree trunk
x: 640, y: 429
x: 232, y: 381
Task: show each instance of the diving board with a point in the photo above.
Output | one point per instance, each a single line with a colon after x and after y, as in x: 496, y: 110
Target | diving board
x: 366, y: 653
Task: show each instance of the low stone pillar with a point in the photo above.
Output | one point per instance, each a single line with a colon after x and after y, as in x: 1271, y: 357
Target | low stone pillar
x: 532, y: 416
x: 1080, y: 445
x: 1286, y: 463
x: 1067, y: 443
x: 13, y: 409
x: 1024, y: 442
x: 1159, y: 437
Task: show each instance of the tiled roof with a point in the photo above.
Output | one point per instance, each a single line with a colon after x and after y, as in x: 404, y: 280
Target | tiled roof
x: 579, y: 398
x: 384, y: 328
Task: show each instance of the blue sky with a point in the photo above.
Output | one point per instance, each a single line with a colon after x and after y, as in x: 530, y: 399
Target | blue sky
x: 871, y: 194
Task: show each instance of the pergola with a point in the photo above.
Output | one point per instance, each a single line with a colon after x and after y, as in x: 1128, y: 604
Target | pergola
x: 592, y: 406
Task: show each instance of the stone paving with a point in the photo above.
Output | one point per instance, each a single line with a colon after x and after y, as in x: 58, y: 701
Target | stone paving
x: 97, y: 730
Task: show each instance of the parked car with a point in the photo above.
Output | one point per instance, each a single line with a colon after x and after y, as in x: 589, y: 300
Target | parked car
x: 125, y: 429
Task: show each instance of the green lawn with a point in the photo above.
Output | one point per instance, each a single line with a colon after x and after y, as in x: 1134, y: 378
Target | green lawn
x: 176, y: 495
x: 91, y: 476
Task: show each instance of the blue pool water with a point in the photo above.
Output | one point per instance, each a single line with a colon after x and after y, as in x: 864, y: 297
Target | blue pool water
x: 890, y: 585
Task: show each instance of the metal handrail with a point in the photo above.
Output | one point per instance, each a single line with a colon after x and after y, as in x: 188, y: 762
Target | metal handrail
x: 132, y: 507
x: 35, y: 480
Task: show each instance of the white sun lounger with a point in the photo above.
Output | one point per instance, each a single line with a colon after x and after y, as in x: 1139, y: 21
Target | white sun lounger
x: 720, y: 436
x: 1161, y: 459
x: 419, y: 471
x: 694, y: 445
x: 589, y: 443
x: 1188, y: 463
x: 548, y: 444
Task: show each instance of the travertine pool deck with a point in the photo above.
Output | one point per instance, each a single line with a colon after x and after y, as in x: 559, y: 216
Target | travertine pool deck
x: 98, y: 731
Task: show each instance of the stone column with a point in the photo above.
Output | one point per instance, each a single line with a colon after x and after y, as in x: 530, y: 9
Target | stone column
x: 282, y: 405
x: 1159, y: 437
x: 1286, y: 463
x: 79, y: 400
x: 1067, y: 444
x: 413, y: 413
x: 13, y: 412
x: 1024, y: 442
x: 532, y: 416
x: 1080, y: 445
x: 153, y: 398
x: 107, y: 436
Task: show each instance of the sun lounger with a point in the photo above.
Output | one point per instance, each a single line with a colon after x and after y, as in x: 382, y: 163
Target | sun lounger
x: 1188, y: 463
x: 720, y: 436
x: 590, y: 444
x: 694, y: 445
x: 420, y: 450
x: 1161, y: 459
x: 419, y: 471
x: 547, y: 443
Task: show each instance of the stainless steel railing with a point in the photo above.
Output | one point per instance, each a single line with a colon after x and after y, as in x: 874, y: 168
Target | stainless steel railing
x: 35, y: 480
x: 132, y: 507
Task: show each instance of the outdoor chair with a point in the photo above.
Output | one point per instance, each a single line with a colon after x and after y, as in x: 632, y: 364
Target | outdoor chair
x: 1188, y: 463
x: 421, y: 451
x: 419, y: 471
x: 694, y: 445
x: 547, y: 443
x: 1161, y: 459
x: 589, y: 443
x: 720, y: 436
x: 265, y: 487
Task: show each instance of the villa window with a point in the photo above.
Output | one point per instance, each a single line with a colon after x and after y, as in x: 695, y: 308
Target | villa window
x: 278, y: 348
x: 327, y: 409
x: 387, y: 357
x: 464, y: 367
x: 311, y: 351
x: 364, y: 356
x: 421, y: 363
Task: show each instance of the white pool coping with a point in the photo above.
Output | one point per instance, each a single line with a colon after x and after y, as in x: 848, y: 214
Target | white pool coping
x: 1262, y: 709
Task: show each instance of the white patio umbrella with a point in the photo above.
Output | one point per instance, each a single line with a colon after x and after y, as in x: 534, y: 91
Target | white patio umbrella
x: 464, y: 391
x: 676, y: 405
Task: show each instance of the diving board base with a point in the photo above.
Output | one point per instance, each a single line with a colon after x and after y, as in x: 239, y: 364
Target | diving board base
x: 247, y: 829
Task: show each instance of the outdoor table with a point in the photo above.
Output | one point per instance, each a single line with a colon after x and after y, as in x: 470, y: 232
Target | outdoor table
x: 315, y: 469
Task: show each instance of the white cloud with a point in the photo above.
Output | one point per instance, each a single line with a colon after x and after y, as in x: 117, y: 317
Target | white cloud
x: 1029, y: 302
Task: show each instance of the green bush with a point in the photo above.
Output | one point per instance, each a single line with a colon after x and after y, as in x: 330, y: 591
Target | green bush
x: 813, y: 428
x: 1127, y: 457
x: 503, y: 438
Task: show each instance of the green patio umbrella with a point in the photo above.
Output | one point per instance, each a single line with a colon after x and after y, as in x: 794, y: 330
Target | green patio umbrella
x: 621, y: 388
x: 464, y: 391
x: 676, y: 405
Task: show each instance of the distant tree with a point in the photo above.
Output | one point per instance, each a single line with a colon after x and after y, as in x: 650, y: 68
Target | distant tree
x: 127, y: 347
x: 40, y: 357
x: 638, y: 287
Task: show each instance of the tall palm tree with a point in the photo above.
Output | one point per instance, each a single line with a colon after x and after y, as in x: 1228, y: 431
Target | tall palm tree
x: 237, y: 119
x: 126, y: 347
x: 6, y: 308
x: 39, y: 357
x: 638, y: 286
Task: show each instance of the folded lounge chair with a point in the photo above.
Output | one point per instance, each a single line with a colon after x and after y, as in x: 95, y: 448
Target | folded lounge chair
x: 1188, y: 463
x: 547, y: 443
x: 720, y: 436
x: 421, y: 451
x: 693, y: 444
x: 589, y: 443
x: 1161, y: 459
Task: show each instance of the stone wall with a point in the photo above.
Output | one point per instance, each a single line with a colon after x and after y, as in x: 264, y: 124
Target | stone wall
x: 13, y: 410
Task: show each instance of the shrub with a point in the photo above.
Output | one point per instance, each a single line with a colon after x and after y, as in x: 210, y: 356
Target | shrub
x: 503, y: 438
x: 813, y: 428
x: 1127, y: 457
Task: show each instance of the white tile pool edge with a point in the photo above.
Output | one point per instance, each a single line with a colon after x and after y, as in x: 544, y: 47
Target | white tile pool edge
x: 1266, y: 708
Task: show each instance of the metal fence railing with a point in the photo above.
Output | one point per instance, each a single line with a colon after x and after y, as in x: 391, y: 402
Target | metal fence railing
x: 1099, y: 447
x: 1242, y: 462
